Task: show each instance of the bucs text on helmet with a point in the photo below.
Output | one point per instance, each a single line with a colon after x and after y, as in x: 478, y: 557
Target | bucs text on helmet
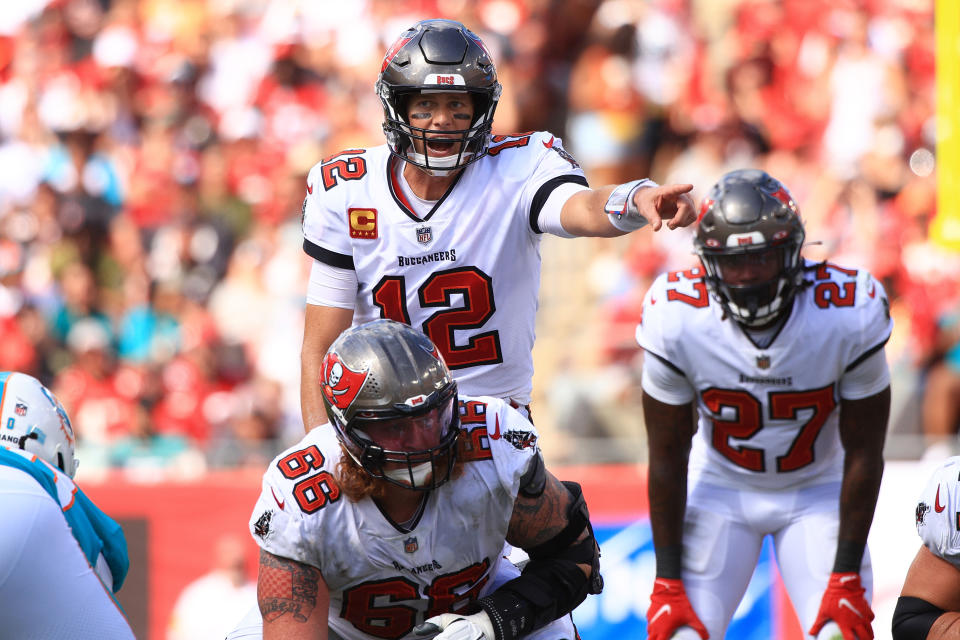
x: 393, y: 403
x: 32, y: 419
x: 749, y: 215
x: 438, y: 56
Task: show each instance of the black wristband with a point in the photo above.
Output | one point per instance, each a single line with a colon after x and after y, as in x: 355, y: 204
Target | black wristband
x: 849, y: 556
x: 510, y: 615
x: 669, y: 561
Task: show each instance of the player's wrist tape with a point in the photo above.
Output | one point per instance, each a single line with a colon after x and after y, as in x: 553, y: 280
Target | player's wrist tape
x: 620, y: 208
x: 849, y: 556
x: 669, y: 561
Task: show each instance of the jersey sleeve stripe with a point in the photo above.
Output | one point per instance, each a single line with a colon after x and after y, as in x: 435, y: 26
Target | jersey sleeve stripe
x: 869, y: 352
x: 666, y: 362
x: 326, y: 256
x: 540, y: 198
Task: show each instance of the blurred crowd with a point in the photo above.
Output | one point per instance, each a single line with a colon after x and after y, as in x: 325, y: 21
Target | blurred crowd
x: 153, y: 156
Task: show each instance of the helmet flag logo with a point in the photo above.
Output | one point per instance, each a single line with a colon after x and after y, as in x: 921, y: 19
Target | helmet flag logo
x: 393, y: 51
x: 340, y: 385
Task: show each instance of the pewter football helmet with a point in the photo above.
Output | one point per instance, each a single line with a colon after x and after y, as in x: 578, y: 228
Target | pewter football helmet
x: 748, y: 212
x: 438, y: 56
x: 32, y: 419
x: 392, y: 400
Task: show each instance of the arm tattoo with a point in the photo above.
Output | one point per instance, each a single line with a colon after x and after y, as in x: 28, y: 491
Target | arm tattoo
x: 286, y: 586
x: 537, y: 520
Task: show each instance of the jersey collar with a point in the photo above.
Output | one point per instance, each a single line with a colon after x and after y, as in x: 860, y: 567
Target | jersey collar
x: 401, y: 199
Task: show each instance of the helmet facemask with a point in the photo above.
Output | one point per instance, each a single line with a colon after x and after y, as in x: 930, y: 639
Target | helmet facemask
x: 393, y: 402
x: 375, y: 442
x: 759, y: 302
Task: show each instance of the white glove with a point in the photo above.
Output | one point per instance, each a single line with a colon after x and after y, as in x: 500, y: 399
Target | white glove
x: 451, y: 626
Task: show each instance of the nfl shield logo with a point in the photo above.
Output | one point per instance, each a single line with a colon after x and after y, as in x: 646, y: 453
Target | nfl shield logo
x: 20, y: 409
x: 410, y: 544
x: 763, y: 362
x: 424, y: 235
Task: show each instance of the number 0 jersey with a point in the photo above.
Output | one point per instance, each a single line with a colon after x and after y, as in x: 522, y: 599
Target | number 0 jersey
x: 468, y: 273
x: 768, y: 418
x: 383, y: 578
x: 938, y: 512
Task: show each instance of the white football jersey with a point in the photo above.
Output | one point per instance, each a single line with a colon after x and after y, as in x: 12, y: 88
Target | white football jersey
x: 468, y: 273
x: 768, y: 418
x: 383, y: 579
x: 938, y: 512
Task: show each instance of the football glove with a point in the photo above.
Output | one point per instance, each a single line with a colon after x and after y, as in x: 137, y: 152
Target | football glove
x: 670, y: 609
x: 451, y: 626
x: 845, y: 604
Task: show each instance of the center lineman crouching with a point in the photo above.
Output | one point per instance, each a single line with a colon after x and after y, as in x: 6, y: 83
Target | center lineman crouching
x: 391, y: 524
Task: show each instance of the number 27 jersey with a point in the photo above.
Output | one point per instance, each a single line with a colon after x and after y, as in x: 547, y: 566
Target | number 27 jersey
x: 768, y: 418
x: 468, y: 273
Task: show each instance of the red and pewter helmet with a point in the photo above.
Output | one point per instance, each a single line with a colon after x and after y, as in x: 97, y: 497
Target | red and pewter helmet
x: 438, y: 56
x: 748, y: 213
x: 381, y: 381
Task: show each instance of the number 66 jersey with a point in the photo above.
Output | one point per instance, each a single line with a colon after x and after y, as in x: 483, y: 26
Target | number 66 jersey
x: 767, y: 417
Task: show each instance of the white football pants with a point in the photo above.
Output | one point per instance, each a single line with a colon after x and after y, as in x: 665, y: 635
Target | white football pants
x: 723, y: 534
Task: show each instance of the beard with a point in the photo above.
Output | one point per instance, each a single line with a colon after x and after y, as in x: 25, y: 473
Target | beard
x: 356, y: 483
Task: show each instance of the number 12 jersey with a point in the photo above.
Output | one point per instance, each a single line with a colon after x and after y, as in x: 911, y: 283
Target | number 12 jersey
x: 467, y: 274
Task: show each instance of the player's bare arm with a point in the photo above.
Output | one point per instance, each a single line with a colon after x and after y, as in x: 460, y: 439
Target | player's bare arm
x: 293, y: 599
x: 669, y: 434
x: 932, y: 581
x: 321, y: 327
x: 583, y: 214
x: 540, y: 519
x: 863, y: 427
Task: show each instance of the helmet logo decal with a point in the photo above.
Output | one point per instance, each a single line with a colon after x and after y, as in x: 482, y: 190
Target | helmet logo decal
x: 415, y: 401
x: 393, y: 51
x: 452, y: 79
x: 65, y: 425
x: 742, y: 239
x: 784, y: 197
x: 340, y: 384
x: 704, y: 207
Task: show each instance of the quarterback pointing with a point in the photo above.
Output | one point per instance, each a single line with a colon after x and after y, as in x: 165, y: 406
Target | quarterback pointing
x: 440, y: 228
x: 391, y: 524
x: 766, y: 397
x: 61, y: 558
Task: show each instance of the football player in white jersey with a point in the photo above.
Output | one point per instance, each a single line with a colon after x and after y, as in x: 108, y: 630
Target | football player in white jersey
x: 391, y: 524
x: 929, y: 604
x: 440, y: 228
x: 766, y: 396
x: 61, y: 558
